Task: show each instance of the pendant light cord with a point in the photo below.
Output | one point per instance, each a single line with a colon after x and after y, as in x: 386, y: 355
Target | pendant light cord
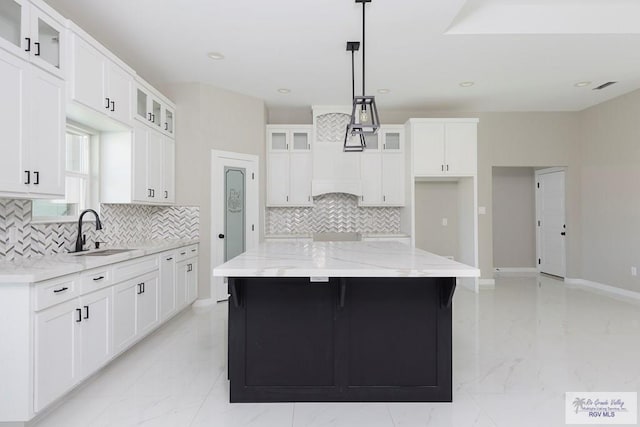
x: 364, y: 107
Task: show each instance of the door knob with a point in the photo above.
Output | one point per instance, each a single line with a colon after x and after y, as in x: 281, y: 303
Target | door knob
x: 221, y: 236
x: 563, y: 233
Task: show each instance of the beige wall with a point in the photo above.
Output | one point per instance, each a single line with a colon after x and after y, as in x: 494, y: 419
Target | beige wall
x: 209, y: 118
x: 514, y: 231
x: 610, y: 134
x: 431, y: 235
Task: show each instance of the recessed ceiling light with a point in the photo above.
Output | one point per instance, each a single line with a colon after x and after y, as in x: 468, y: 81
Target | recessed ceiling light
x: 384, y: 91
x: 582, y: 84
x: 467, y: 84
x: 215, y: 55
x: 284, y: 90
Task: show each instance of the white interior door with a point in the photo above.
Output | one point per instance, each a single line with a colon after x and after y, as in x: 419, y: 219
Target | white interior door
x: 551, y: 227
x: 234, y: 210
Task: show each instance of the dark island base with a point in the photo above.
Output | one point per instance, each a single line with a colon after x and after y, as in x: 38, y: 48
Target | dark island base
x: 349, y: 339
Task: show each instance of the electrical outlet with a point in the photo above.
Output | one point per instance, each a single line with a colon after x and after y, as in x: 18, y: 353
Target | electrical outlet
x: 445, y: 222
x: 634, y: 271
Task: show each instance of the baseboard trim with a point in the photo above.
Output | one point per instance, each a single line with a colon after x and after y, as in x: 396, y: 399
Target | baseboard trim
x: 601, y: 287
x: 204, y: 302
x: 485, y: 284
x: 516, y: 270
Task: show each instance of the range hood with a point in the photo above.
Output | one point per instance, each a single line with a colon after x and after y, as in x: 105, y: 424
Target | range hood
x: 335, y: 171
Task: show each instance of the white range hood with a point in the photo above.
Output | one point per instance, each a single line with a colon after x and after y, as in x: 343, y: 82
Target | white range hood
x: 335, y: 171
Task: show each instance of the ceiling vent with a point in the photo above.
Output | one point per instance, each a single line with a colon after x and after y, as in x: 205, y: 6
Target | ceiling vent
x: 604, y: 85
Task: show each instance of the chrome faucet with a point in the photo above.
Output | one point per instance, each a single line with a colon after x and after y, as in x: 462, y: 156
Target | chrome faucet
x: 80, y: 241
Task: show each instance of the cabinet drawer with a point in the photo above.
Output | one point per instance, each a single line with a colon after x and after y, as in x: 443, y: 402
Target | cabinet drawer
x: 135, y: 267
x: 96, y: 279
x: 187, y: 252
x: 55, y: 291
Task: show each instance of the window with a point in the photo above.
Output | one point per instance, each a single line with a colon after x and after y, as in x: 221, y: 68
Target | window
x: 80, y: 188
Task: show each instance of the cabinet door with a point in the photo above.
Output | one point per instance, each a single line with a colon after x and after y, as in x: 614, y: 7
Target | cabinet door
x: 13, y: 111
x: 301, y: 174
x: 461, y: 148
x: 278, y: 140
x: 167, y: 286
x: 428, y: 148
x: 46, y: 135
x: 147, y: 304
x: 139, y: 162
x: 124, y: 315
x: 118, y: 86
x: 169, y: 171
x: 278, y: 179
x: 192, y: 280
x: 14, y: 26
x: 142, y: 105
x: 392, y: 140
x: 56, y: 355
x: 156, y: 113
x: 155, y: 153
x: 87, y: 71
x: 47, y: 44
x: 181, y: 284
x: 300, y: 140
x: 168, y: 121
x: 371, y: 175
x: 393, y: 179
x: 95, y: 331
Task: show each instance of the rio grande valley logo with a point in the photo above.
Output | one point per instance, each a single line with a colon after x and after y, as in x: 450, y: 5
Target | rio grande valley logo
x: 601, y: 408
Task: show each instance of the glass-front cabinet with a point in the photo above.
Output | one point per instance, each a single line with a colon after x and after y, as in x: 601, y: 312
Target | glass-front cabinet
x: 289, y: 138
x: 32, y: 34
x: 155, y: 112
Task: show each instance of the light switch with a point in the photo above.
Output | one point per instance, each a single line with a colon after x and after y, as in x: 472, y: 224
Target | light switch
x: 445, y: 222
x: 482, y: 210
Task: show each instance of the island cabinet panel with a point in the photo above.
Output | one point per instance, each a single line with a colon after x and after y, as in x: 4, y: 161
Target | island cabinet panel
x: 344, y: 339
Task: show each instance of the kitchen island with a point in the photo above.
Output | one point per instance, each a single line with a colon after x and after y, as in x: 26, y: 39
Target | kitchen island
x: 340, y: 321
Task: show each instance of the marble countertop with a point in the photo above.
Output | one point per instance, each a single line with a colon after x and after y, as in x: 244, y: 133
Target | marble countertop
x: 341, y: 259
x: 35, y: 269
x: 310, y: 235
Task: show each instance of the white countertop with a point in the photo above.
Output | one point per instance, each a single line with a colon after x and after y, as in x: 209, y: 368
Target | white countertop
x: 35, y: 269
x: 341, y: 259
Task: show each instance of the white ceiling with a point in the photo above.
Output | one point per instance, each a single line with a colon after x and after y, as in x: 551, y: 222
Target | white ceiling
x: 523, y: 55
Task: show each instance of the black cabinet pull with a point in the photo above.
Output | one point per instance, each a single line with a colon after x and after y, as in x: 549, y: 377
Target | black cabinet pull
x: 28, y: 181
x: 153, y: 118
x: 108, y: 103
x: 447, y: 168
x: 166, y: 126
x: 220, y: 236
x: 166, y: 194
x: 149, y: 116
x: 79, y: 313
x: 86, y: 311
x: 183, y: 253
x: 563, y: 233
x: 37, y: 180
x: 148, y: 192
x: 153, y: 192
x: 113, y: 105
x: 193, y: 250
x: 55, y: 291
x: 95, y: 279
x: 28, y: 49
x: 143, y: 287
x: 37, y: 44
x: 139, y: 288
x: 442, y: 168
x: 189, y: 267
x: 169, y: 259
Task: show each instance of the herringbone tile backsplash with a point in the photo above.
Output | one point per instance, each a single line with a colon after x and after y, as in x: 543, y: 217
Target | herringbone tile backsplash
x: 121, y: 224
x: 336, y: 212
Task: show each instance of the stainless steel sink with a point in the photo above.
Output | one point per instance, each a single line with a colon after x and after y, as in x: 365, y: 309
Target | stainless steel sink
x: 105, y: 252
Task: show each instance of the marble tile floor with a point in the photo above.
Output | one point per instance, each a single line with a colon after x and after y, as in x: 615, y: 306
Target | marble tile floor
x: 517, y: 349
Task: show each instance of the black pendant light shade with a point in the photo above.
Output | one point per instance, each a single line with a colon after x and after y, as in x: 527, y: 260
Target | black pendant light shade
x: 364, y: 113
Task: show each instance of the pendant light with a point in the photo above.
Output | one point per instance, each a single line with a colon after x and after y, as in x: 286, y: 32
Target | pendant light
x: 364, y: 113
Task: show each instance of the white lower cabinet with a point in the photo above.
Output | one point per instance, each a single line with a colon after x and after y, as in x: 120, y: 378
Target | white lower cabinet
x: 72, y: 340
x: 167, y: 285
x: 147, y: 303
x: 186, y: 281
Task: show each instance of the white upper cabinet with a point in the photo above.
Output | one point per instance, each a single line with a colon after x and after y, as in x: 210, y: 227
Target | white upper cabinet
x: 153, y: 109
x: 32, y: 115
x: 444, y: 147
x: 382, y: 170
x: 98, y: 82
x: 137, y: 166
x: 34, y: 33
x: 289, y: 165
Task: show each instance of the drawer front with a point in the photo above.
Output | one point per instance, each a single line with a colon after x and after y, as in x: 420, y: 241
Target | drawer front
x: 95, y: 279
x: 129, y: 269
x: 187, y: 252
x: 56, y: 291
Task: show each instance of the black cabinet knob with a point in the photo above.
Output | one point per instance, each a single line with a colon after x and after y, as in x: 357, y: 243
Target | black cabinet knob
x: 221, y: 236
